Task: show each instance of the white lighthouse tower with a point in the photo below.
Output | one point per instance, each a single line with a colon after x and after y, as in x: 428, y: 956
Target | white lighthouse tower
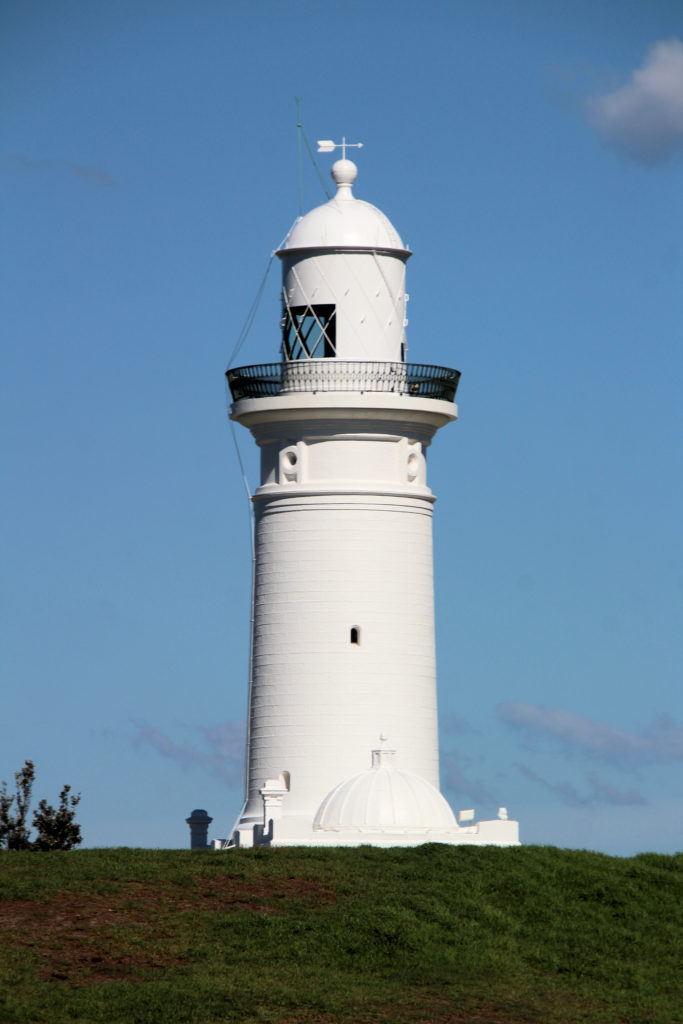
x: 342, y: 743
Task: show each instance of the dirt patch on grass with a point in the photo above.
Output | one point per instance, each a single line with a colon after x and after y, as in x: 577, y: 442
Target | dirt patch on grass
x: 123, y: 936
x: 428, y: 1010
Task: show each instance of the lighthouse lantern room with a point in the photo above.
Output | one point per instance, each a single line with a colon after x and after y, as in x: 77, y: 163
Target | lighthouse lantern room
x: 342, y: 745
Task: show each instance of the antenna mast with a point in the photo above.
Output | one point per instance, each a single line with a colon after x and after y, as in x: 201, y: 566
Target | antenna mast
x: 299, y: 128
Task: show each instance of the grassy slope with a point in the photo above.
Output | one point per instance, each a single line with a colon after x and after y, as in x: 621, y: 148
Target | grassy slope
x: 435, y: 933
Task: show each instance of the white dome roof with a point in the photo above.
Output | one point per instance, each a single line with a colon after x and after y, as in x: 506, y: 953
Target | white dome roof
x: 343, y: 222
x: 384, y: 797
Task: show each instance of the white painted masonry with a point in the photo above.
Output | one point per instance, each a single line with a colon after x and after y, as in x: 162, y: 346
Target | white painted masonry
x: 343, y: 655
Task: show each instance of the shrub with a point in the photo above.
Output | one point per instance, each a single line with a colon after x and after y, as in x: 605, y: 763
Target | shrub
x: 56, y: 829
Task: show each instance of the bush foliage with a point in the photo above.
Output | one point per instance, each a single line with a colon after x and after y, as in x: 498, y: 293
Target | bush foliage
x: 56, y: 829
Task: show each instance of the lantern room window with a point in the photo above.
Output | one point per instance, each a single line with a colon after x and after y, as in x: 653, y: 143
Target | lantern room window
x: 308, y: 332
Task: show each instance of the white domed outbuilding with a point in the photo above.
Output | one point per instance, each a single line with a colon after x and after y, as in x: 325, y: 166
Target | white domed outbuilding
x: 383, y: 802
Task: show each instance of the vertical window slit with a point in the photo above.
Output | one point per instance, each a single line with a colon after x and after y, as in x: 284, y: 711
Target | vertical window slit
x: 355, y: 635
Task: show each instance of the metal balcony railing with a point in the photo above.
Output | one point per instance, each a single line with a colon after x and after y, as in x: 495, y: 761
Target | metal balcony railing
x: 314, y: 375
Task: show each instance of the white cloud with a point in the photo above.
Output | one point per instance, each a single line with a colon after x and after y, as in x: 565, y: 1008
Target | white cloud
x: 606, y: 794
x: 661, y: 741
x: 455, y: 782
x: 223, y: 759
x: 643, y: 120
x: 600, y: 792
x: 453, y: 724
x: 95, y: 175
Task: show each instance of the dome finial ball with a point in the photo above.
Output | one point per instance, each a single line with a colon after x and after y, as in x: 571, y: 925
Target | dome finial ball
x: 344, y: 172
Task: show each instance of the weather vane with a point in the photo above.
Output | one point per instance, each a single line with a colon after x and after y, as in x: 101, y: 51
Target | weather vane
x: 327, y: 146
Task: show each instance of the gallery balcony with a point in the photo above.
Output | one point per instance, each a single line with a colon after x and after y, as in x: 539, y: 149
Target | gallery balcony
x: 267, y: 380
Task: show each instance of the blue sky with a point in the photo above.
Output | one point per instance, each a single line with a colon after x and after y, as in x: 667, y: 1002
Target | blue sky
x: 531, y: 155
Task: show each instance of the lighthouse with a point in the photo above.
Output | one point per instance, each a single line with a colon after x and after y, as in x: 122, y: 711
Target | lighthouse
x: 342, y: 744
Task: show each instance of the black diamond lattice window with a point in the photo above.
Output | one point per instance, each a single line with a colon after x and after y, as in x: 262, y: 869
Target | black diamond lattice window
x: 308, y: 332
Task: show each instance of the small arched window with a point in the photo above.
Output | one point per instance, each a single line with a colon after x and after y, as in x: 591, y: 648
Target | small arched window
x: 355, y: 635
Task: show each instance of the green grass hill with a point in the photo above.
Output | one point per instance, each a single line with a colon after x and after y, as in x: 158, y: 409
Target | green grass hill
x: 430, y: 935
